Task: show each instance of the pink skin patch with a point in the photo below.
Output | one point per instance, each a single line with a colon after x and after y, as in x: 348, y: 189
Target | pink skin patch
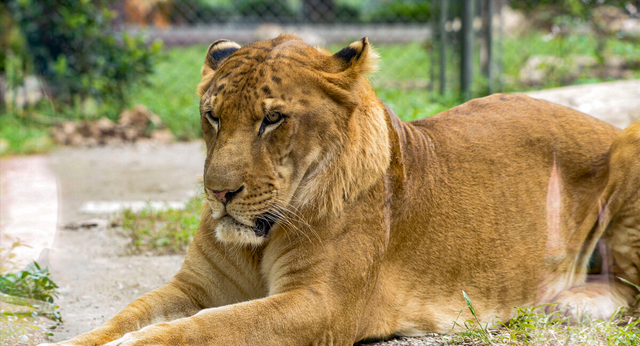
x: 555, y: 243
x: 600, y: 212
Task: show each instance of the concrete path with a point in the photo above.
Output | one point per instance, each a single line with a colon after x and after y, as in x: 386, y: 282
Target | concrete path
x: 41, y: 194
x: 28, y: 206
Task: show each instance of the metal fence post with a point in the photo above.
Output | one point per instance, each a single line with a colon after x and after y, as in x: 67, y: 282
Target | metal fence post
x: 443, y: 45
x: 487, y: 43
x: 466, y: 65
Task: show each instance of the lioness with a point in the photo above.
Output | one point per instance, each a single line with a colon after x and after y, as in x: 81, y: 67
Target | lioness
x: 329, y: 220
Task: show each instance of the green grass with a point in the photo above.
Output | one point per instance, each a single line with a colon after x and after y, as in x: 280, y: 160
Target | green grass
x: 26, y: 296
x: 172, y: 91
x: 162, y: 232
x: 22, y: 135
x: 31, y: 283
x: 518, y: 50
x: 403, y: 72
x: 533, y: 326
x: 401, y: 80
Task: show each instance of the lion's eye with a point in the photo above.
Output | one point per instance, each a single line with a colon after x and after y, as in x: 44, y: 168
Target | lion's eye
x: 271, y: 118
x: 215, y: 122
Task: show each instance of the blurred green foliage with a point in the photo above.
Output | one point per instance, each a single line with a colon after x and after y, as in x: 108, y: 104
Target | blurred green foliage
x: 288, y: 11
x: 269, y: 10
x: 162, y: 232
x: 70, y: 44
x: 574, y: 8
x: 394, y: 11
x: 32, y: 282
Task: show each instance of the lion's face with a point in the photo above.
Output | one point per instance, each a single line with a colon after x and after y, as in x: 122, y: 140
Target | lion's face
x: 269, y: 122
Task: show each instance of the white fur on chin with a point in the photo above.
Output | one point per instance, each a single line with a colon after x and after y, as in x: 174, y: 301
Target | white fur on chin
x: 231, y: 231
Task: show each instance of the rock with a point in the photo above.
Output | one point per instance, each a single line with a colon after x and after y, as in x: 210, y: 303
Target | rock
x: 615, y: 21
x: 75, y: 139
x: 139, y: 116
x: 105, y: 125
x: 130, y: 134
x: 133, y: 124
x: 91, y: 223
x: 163, y: 136
x: 538, y: 67
x: 515, y: 23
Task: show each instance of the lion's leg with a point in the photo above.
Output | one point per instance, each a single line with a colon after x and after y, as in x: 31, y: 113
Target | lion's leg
x: 163, y: 304
x: 622, y: 210
x: 621, y: 214
x: 594, y: 300
x: 299, y: 317
x: 619, y: 223
x: 212, y: 275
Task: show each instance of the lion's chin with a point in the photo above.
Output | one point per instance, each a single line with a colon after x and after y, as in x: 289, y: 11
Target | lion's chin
x: 231, y: 231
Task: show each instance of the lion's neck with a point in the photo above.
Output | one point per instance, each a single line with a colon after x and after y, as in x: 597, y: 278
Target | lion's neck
x: 362, y: 162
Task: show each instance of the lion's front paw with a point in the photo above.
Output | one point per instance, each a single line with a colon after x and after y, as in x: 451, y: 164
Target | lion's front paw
x: 127, y: 340
x: 154, y: 335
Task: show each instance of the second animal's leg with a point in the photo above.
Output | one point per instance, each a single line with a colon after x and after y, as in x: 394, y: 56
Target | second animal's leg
x: 621, y: 213
x: 618, y: 221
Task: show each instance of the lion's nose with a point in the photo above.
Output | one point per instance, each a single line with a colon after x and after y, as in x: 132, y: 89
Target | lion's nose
x: 225, y: 196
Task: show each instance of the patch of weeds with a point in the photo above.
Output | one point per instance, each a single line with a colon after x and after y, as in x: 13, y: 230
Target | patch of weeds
x: 31, y: 283
x: 534, y: 326
x: 23, y: 329
x: 634, y: 286
x: 162, y: 232
x: 26, y: 297
x: 473, y: 330
x: 23, y: 135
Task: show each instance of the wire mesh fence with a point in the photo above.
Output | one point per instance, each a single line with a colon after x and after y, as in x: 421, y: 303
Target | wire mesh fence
x: 167, y: 13
x: 75, y: 69
x: 328, y: 22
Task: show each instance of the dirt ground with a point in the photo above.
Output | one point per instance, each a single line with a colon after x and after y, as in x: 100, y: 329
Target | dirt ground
x: 96, y: 280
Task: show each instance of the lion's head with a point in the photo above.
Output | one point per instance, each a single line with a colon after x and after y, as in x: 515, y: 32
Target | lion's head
x: 288, y: 127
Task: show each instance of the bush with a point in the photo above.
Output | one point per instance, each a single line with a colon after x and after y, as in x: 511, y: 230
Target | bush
x: 70, y: 44
x: 400, y: 11
x: 200, y: 12
x: 266, y: 10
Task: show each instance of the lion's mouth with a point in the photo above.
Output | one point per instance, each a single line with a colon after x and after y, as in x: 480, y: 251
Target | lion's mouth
x: 262, y: 224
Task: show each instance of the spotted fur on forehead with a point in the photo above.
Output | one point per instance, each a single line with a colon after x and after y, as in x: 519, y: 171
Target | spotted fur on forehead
x: 248, y: 67
x: 259, y: 64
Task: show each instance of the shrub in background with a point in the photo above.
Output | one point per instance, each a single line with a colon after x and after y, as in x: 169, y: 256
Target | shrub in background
x: 70, y: 44
x: 400, y: 11
x: 279, y: 11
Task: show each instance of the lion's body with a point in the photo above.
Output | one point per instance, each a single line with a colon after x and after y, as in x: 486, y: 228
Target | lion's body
x: 474, y: 204
x: 330, y: 221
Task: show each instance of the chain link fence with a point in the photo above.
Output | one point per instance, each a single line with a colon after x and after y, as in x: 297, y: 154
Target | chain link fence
x: 186, y: 22
x: 412, y: 24
x: 433, y: 51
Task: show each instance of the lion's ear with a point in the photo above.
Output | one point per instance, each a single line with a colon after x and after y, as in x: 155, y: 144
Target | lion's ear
x: 217, y: 53
x: 358, y: 58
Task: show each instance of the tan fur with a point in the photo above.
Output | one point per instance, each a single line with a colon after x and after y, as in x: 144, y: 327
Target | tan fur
x: 379, y: 225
